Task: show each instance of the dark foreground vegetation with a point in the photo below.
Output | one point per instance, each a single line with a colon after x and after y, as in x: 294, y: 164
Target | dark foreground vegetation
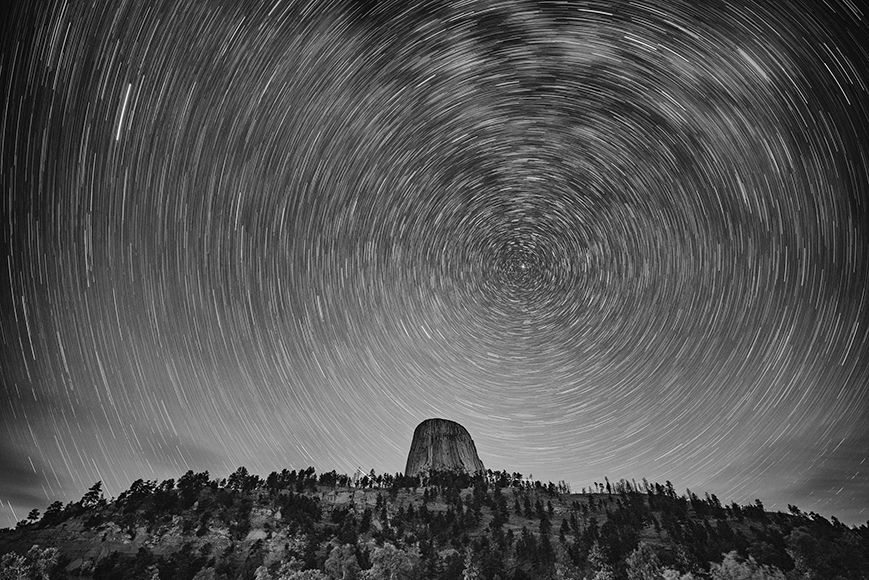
x: 304, y: 525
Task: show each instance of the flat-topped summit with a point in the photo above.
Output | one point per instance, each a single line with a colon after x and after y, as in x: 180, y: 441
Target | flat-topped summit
x: 440, y: 444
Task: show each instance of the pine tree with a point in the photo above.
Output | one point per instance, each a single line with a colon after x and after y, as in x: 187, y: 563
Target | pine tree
x: 94, y: 496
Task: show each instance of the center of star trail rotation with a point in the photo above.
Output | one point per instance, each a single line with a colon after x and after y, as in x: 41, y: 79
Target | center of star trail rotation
x: 610, y: 239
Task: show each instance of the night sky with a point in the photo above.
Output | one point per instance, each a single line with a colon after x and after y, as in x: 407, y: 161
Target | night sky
x: 624, y: 239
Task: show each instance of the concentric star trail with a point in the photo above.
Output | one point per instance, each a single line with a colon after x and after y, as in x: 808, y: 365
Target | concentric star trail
x: 626, y: 239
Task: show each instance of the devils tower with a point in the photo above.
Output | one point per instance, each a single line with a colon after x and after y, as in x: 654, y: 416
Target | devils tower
x: 442, y: 445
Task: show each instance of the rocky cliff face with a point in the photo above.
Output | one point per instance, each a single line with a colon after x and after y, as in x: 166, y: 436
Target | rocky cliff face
x: 442, y: 445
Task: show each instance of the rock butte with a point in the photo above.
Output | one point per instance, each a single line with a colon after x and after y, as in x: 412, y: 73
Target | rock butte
x: 442, y: 445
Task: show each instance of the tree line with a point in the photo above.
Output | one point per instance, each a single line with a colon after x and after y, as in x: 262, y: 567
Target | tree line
x: 447, y: 524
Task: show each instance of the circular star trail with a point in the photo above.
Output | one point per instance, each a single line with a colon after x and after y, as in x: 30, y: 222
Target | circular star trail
x: 623, y: 239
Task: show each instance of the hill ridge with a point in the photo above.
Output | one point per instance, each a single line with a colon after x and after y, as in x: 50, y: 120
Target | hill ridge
x: 442, y: 524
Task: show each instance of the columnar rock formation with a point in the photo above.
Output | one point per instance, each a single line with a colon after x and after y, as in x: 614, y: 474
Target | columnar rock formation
x: 442, y: 445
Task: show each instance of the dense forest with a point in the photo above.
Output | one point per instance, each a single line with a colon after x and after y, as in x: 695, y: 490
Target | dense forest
x: 449, y: 525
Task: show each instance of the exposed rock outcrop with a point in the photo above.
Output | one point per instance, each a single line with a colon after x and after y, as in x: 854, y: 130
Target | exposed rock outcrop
x: 442, y: 445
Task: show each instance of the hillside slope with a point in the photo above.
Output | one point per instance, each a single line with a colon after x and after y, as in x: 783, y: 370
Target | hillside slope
x: 443, y: 525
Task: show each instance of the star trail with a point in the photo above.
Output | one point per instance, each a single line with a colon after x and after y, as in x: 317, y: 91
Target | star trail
x: 626, y: 239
